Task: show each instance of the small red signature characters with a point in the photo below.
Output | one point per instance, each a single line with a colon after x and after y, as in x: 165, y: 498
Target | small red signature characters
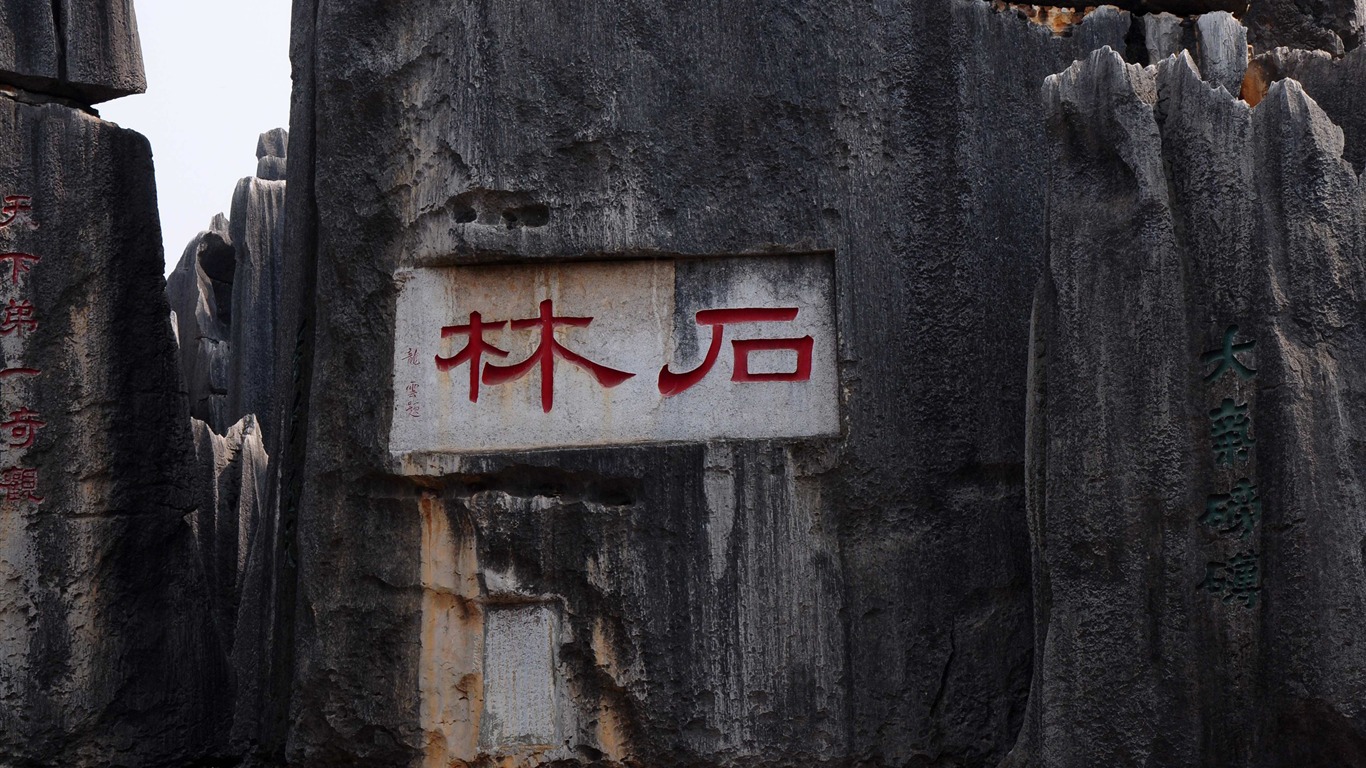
x: 19, y: 264
x: 671, y: 383
x: 23, y: 426
x: 20, y: 481
x: 544, y: 356
x: 13, y: 208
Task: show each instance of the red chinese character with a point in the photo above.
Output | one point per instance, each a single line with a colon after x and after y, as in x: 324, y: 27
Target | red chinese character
x: 12, y: 207
x: 18, y: 318
x: 19, y: 372
x: 23, y: 427
x: 473, y: 353
x: 545, y: 355
x: 411, y: 356
x: 19, y: 264
x: 411, y: 389
x: 15, y: 481
x: 413, y: 409
x: 671, y: 383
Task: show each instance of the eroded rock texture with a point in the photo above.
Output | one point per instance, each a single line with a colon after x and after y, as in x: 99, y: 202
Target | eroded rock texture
x: 231, y: 480
x: 1334, y: 84
x: 109, y: 656
x: 1335, y: 26
x: 86, y: 50
x: 1196, y: 402
x: 824, y: 602
x: 199, y: 290
x: 225, y: 293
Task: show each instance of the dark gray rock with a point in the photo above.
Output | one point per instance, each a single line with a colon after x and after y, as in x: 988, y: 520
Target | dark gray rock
x: 257, y: 239
x: 225, y: 293
x: 1335, y: 26
x: 1175, y: 626
x: 857, y: 601
x: 1334, y: 84
x: 85, y: 50
x: 110, y: 658
x: 230, y: 495
x: 199, y: 291
x: 271, y: 151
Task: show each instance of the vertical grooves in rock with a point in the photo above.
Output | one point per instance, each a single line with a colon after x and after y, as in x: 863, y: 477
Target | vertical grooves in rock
x: 300, y: 246
x: 59, y: 25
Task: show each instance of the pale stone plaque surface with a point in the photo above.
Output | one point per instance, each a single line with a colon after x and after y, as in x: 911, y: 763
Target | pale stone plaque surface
x: 519, y: 677
x: 599, y: 376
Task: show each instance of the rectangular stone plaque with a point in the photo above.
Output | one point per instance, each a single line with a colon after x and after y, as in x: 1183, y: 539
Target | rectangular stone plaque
x: 519, y: 678
x: 492, y: 358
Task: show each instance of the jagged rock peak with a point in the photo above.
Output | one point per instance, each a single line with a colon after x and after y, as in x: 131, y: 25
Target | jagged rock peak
x: 271, y: 151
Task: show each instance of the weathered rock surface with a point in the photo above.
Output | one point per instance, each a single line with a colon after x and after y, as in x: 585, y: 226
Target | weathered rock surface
x: 1222, y: 50
x: 225, y: 293
x: 86, y: 50
x: 863, y: 599
x: 109, y: 656
x: 231, y: 486
x: 257, y: 238
x: 199, y: 291
x: 1195, y: 467
x: 1334, y: 84
x: 271, y: 154
x: 1335, y: 26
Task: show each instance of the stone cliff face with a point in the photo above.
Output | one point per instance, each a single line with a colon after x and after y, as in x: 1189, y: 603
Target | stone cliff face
x: 1195, y: 469
x: 866, y: 599
x: 225, y: 291
x: 109, y: 655
x: 1092, y: 493
x: 84, y: 50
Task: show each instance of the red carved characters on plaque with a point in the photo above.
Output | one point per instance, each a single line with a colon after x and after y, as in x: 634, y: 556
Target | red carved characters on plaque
x: 545, y: 355
x: 477, y: 348
x: 671, y: 383
x: 473, y: 353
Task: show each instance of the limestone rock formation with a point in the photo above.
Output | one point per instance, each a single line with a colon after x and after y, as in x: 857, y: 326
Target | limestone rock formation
x: 231, y: 485
x: 1084, y: 489
x: 271, y: 152
x: 85, y: 50
x: 859, y: 600
x: 199, y: 291
x: 1335, y: 85
x: 109, y: 656
x: 823, y: 602
x: 257, y: 238
x: 1334, y: 26
x: 225, y: 292
x: 1195, y: 415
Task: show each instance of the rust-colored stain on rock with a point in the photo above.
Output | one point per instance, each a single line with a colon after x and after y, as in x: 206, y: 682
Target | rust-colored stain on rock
x: 450, y: 683
x: 1059, y: 20
x: 1256, y: 81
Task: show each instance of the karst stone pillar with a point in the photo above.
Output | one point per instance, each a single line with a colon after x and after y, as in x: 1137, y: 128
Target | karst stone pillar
x: 1196, y: 475
x: 828, y: 568
x: 107, y: 655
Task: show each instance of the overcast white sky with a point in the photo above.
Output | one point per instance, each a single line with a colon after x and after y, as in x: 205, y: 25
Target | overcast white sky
x: 217, y: 77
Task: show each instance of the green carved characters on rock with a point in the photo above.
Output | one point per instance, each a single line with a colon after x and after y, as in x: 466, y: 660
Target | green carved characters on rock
x: 1235, y: 579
